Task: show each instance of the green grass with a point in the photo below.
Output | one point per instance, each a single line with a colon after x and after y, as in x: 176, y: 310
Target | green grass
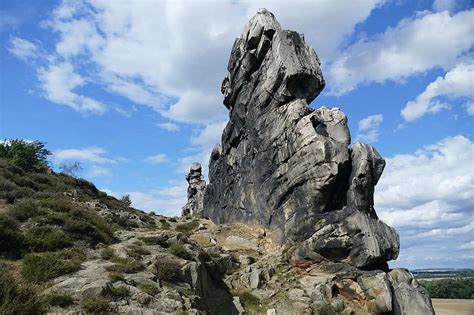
x: 250, y: 302
x: 155, y: 240
x: 137, y: 252
x: 38, y: 268
x: 168, y: 269
x: 149, y: 289
x: 107, y: 253
x: 17, y: 297
x: 115, y: 292
x: 96, y: 305
x: 46, y: 238
x: 115, y: 276
x: 180, y: 251
x: 59, y: 299
x: 188, y: 227
x: 125, y: 265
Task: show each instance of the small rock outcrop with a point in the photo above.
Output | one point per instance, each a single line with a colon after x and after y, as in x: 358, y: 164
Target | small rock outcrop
x: 286, y: 166
x: 196, y: 188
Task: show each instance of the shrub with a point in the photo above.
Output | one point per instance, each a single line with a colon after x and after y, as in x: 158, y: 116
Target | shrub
x: 107, y: 253
x: 126, y: 200
x: 17, y: 298
x: 168, y: 269
x: 125, y: 265
x: 149, y: 289
x: 45, y: 238
x: 24, y: 154
x: 459, y: 288
x: 188, y: 227
x: 59, y: 299
x: 11, y: 241
x: 165, y: 225
x: 96, y: 305
x: 115, y: 291
x: 180, y: 251
x: 250, y: 301
x: 58, y: 204
x: 155, y: 240
x: 24, y: 209
x: 137, y: 252
x: 42, y: 267
x: 116, y: 276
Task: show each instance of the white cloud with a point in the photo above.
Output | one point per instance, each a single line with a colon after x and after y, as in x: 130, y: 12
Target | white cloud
x: 468, y: 245
x: 428, y: 197
x: 168, y: 126
x: 92, y: 155
x: 458, y: 82
x: 369, y: 128
x: 167, y: 201
x: 450, y: 5
x: 414, y: 46
x: 469, y: 108
x: 22, y: 48
x: 153, y: 54
x: 58, y: 82
x: 98, y: 171
x: 156, y: 159
x: 210, y: 135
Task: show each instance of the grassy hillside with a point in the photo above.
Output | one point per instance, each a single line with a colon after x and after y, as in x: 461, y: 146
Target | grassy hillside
x: 48, y: 222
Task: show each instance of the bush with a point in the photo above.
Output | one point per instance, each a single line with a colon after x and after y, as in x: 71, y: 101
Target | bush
x: 250, y: 301
x: 11, y: 240
x: 165, y: 225
x: 188, y: 227
x: 17, y: 298
x: 107, y: 253
x: 459, y: 288
x: 149, y: 289
x: 167, y: 269
x: 137, y: 252
x: 116, y: 276
x: 59, y: 299
x: 96, y: 305
x: 125, y: 265
x: 30, y: 156
x: 42, y: 267
x: 155, y: 240
x: 115, y: 292
x: 45, y: 238
x: 180, y: 251
x: 24, y: 209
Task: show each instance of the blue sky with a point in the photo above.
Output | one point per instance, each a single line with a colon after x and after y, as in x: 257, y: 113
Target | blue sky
x: 131, y: 89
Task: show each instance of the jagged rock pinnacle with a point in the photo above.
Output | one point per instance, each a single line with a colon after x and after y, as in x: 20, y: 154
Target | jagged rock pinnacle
x: 286, y: 166
x: 196, y: 187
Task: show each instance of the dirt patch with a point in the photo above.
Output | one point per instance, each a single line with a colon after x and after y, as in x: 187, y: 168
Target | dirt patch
x: 453, y: 306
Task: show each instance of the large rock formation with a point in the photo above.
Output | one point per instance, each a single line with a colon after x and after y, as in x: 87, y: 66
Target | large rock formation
x: 288, y: 167
x: 196, y: 187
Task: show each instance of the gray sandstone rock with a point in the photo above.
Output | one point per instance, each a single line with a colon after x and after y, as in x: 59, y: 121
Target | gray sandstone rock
x: 196, y: 188
x: 286, y: 166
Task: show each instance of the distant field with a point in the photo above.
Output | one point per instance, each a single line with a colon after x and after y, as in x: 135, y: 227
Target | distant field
x: 453, y: 306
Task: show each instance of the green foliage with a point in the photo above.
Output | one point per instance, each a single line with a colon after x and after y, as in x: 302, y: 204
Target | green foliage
x: 155, y: 240
x: 18, y: 298
x: 459, y: 288
x: 107, y: 253
x: 96, y: 305
x: 11, y: 240
x: 46, y: 238
x: 165, y: 225
x: 180, y: 251
x: 137, y: 252
x: 71, y: 168
x: 126, y: 200
x: 125, y: 265
x: 30, y: 156
x: 250, y: 302
x: 168, y: 269
x: 115, y: 292
x: 149, y: 289
x: 24, y: 209
x: 42, y: 267
x: 188, y: 227
x: 115, y: 276
x: 60, y: 299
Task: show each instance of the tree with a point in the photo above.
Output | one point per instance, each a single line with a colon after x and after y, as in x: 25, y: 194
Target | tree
x: 30, y: 156
x: 70, y: 168
x: 126, y: 200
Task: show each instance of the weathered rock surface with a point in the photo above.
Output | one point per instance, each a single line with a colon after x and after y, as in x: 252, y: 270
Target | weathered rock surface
x: 196, y: 188
x: 286, y: 166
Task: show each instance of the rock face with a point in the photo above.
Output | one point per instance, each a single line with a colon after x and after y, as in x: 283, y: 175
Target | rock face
x: 196, y: 188
x: 288, y: 167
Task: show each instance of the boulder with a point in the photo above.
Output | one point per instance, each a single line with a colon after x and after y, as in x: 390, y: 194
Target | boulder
x: 288, y: 167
